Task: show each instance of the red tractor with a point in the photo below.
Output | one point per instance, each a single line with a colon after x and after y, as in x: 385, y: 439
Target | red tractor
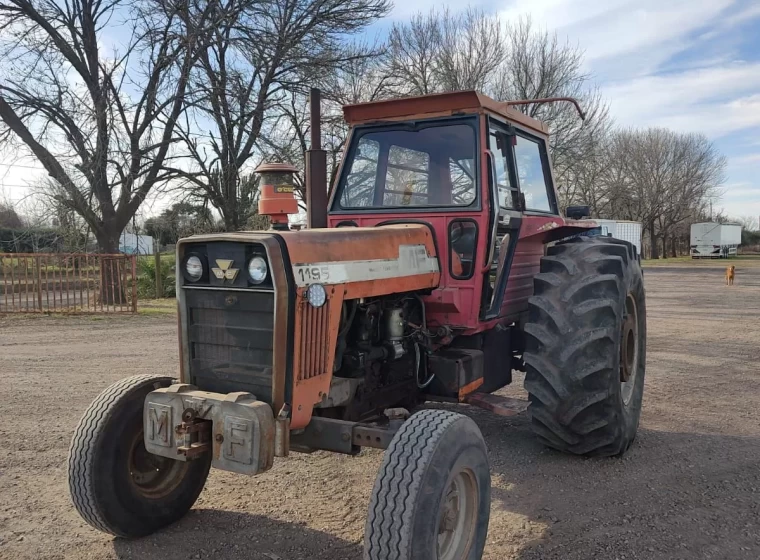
x: 441, y: 265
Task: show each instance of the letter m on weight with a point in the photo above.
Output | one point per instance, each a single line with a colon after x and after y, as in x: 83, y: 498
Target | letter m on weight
x: 159, y: 423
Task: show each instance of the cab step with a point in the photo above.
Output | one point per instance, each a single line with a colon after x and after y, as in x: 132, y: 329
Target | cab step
x: 503, y: 406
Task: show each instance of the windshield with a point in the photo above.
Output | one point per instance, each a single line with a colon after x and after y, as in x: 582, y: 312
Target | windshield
x: 430, y: 166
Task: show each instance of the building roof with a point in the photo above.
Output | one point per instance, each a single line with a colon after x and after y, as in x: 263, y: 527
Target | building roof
x: 438, y: 104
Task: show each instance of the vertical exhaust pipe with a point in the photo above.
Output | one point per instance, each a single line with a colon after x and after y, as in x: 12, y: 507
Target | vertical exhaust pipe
x: 316, y: 167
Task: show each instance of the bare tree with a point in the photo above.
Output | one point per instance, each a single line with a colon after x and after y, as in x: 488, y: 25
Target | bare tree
x: 444, y: 51
x: 749, y: 223
x: 661, y: 178
x: 472, y: 47
x: 252, y: 68
x: 412, y: 52
x: 538, y: 65
x: 361, y: 78
x: 101, y: 123
x: 589, y: 182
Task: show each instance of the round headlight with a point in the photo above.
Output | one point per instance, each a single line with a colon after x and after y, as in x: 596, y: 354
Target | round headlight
x: 194, y: 269
x: 316, y: 295
x: 257, y: 270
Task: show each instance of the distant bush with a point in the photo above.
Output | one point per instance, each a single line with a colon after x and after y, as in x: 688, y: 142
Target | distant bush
x: 146, y: 277
x: 30, y: 240
x: 750, y: 238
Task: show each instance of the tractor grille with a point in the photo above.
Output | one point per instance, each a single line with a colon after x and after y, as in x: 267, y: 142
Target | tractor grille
x: 230, y: 336
x: 314, y: 340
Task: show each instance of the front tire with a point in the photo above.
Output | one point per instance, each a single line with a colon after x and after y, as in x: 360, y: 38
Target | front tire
x: 585, y: 353
x: 115, y: 484
x: 432, y: 495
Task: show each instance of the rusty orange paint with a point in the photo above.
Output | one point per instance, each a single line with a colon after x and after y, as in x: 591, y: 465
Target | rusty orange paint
x: 355, y: 244
x: 469, y: 388
x: 308, y: 392
x: 441, y: 104
x: 320, y: 245
x: 340, y: 245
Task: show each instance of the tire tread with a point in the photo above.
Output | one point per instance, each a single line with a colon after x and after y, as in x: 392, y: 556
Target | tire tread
x: 84, y: 444
x: 580, y: 294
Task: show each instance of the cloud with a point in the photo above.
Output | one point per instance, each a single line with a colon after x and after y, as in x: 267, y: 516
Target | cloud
x: 749, y: 159
x: 689, y: 65
x: 681, y: 99
x: 622, y: 38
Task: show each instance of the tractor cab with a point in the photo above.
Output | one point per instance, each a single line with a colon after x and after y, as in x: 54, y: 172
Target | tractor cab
x: 473, y: 170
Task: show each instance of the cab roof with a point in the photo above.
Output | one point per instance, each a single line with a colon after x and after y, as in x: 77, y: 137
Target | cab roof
x: 438, y: 104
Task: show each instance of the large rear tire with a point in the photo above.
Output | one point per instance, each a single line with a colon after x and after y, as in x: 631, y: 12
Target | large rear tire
x: 432, y: 495
x: 585, y: 353
x: 115, y: 484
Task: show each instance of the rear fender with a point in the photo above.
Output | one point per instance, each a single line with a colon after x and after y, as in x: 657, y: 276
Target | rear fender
x: 552, y: 228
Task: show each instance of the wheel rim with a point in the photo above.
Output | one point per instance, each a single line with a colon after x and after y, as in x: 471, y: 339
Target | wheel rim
x: 458, y: 517
x: 153, y: 476
x: 629, y: 350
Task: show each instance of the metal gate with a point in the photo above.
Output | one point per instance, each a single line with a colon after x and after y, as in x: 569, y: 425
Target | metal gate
x: 67, y: 282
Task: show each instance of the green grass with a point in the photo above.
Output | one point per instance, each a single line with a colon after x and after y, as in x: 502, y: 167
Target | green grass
x: 165, y: 306
x: 739, y: 260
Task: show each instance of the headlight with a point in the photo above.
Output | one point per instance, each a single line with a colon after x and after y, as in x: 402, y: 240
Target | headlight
x: 316, y: 295
x: 194, y: 269
x: 257, y: 270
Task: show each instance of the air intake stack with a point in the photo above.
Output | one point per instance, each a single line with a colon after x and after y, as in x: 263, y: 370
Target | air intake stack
x: 277, y: 198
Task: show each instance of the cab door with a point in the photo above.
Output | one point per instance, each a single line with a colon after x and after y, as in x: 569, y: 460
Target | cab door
x: 525, y: 190
x: 505, y: 219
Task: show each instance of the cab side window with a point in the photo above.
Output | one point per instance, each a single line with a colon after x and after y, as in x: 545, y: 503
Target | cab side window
x: 463, y: 241
x: 498, y: 146
x: 530, y: 173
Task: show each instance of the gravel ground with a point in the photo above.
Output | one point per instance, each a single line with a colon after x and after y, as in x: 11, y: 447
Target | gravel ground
x: 688, y: 489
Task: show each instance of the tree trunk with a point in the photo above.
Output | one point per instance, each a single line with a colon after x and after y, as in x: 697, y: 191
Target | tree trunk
x: 673, y: 249
x: 112, y: 292
x: 664, y: 245
x: 229, y: 220
x: 653, y: 241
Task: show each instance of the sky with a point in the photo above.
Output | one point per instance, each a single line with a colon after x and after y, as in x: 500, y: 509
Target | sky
x: 690, y: 65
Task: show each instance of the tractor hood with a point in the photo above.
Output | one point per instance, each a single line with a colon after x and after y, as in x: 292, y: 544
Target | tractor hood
x: 372, y: 261
x: 366, y: 261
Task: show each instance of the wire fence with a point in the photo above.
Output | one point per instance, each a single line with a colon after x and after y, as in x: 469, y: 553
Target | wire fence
x: 68, y: 283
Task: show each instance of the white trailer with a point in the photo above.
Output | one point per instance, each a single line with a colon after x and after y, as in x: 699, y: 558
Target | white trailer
x: 714, y: 241
x: 622, y: 229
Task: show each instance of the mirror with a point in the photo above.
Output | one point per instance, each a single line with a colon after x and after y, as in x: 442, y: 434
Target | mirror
x: 578, y: 212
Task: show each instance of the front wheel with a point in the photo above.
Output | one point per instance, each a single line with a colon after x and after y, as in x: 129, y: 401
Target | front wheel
x: 115, y: 484
x: 432, y: 495
x: 585, y: 355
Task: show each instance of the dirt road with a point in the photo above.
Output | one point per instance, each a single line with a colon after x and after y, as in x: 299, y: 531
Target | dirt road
x: 688, y: 489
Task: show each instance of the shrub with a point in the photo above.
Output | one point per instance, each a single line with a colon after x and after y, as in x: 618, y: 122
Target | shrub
x: 146, y: 277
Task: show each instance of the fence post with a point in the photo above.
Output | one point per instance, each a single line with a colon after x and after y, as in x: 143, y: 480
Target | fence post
x: 134, y: 283
x: 159, y: 290
x: 39, y: 281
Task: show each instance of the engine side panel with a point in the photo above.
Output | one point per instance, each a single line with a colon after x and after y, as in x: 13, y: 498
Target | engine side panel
x: 351, y: 263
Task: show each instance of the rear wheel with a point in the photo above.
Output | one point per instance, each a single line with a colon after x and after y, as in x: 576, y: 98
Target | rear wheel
x: 115, y: 484
x: 586, y: 347
x: 431, y: 499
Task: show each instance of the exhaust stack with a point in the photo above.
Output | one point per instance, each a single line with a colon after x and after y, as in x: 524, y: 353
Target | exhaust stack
x: 316, y: 167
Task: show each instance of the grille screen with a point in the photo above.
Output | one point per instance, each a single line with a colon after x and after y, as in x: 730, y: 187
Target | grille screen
x: 231, y: 340
x: 314, y: 340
